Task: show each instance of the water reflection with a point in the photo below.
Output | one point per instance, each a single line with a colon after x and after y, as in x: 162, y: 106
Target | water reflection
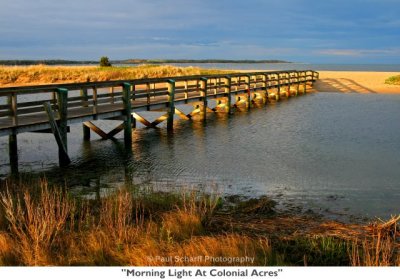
x: 334, y: 154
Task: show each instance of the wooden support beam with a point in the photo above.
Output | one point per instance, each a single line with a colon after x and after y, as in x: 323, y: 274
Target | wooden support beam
x: 288, y: 85
x: 13, y: 153
x: 265, y: 81
x: 101, y: 133
x: 85, y: 98
x: 228, y: 84
x: 278, y: 93
x: 203, y: 93
x: 86, y: 132
x: 141, y: 119
x: 95, y: 110
x: 148, y: 95
x: 126, y: 99
x: 247, y: 84
x: 115, y: 131
x: 186, y: 92
x: 62, y: 102
x: 161, y: 119
x: 95, y: 129
x: 112, y: 94
x: 62, y: 148
x: 85, y: 102
x: 171, y: 104
x: 13, y: 105
x: 182, y: 114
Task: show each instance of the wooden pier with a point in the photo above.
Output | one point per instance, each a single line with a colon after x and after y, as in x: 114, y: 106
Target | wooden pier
x: 52, y: 108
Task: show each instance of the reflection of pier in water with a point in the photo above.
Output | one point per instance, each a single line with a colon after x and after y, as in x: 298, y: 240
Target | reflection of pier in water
x: 52, y: 108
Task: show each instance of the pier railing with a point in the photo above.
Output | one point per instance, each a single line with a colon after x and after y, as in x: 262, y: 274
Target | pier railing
x: 23, y: 109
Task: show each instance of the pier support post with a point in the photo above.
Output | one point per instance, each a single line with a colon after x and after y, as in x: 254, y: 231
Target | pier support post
x: 126, y: 98
x: 85, y: 100
x: 247, y: 81
x: 228, y: 84
x: 13, y: 153
x: 171, y: 104
x: 62, y: 102
x: 86, y: 132
x: 288, y: 85
x: 278, y: 94
x: 265, y: 85
x: 203, y: 93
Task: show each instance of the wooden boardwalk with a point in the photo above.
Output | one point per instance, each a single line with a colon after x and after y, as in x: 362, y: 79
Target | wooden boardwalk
x: 22, y: 109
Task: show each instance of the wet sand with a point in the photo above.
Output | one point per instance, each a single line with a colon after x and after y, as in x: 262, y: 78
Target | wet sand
x: 359, y: 82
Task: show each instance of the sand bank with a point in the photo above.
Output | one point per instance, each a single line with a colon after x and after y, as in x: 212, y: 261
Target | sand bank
x: 359, y: 82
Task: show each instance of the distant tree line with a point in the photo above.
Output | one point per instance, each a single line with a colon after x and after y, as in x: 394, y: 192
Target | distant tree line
x: 163, y: 61
x: 46, y: 62
x: 105, y: 62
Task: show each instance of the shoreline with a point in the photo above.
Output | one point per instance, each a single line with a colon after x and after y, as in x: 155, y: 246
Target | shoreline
x: 356, y: 82
x: 361, y: 82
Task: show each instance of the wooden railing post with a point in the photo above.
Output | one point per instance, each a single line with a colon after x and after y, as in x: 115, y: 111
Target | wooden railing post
x: 265, y: 85
x: 85, y: 100
x: 12, y: 139
x: 171, y: 104
x: 186, y: 89
x: 112, y: 94
x: 247, y: 84
x: 148, y: 95
x: 13, y: 106
x: 126, y: 99
x: 228, y: 93
x: 278, y: 94
x: 84, y: 96
x: 95, y: 103
x: 203, y: 93
x: 288, y: 84
x: 62, y: 103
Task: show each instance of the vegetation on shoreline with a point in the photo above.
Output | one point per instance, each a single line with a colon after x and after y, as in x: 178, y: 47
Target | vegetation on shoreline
x: 41, y: 74
x: 133, y: 61
x: 394, y: 80
x: 42, y: 225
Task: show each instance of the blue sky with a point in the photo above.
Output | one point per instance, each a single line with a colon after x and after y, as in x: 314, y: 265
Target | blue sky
x: 351, y: 31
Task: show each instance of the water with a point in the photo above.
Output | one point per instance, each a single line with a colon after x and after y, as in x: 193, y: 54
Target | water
x: 335, y: 154
x: 293, y: 66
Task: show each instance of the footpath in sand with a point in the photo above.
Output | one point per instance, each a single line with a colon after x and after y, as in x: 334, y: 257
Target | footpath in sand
x: 358, y: 82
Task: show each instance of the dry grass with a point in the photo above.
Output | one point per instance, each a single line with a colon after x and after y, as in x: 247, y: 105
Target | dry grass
x: 42, y: 74
x: 45, y: 226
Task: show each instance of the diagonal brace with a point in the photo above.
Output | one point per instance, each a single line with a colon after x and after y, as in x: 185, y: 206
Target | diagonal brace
x: 101, y: 133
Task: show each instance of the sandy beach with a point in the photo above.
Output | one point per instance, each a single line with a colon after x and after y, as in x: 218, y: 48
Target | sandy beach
x: 359, y: 82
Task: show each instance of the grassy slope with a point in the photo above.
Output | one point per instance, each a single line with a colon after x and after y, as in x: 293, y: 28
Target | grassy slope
x: 44, y: 226
x: 31, y: 75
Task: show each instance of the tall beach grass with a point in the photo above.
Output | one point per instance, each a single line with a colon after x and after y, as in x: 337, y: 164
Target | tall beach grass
x: 42, y: 74
x: 43, y: 225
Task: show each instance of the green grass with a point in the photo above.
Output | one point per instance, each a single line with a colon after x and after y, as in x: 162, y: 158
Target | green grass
x: 394, y: 80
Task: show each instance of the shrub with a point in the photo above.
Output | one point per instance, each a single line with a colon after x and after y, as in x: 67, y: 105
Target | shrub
x: 105, y: 62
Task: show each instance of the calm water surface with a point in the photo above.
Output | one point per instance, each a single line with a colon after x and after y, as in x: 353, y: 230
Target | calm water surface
x: 334, y: 154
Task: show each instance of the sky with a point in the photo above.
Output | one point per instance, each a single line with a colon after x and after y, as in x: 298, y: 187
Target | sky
x: 308, y: 31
